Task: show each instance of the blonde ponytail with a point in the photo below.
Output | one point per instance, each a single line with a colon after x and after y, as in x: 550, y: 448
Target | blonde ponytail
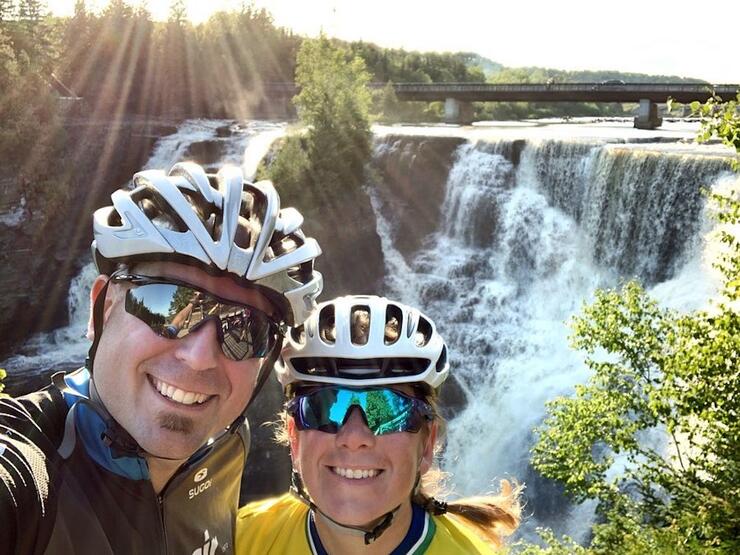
x: 494, y: 517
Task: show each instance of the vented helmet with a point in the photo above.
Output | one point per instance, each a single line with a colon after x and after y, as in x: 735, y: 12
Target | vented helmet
x: 219, y: 223
x: 396, y: 344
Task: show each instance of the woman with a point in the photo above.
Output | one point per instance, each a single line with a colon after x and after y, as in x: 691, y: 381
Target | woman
x: 362, y: 378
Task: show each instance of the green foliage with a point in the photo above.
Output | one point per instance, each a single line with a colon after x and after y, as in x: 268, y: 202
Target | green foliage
x: 402, y: 66
x: 721, y: 120
x: 121, y: 61
x: 29, y: 125
x: 387, y: 108
x: 2, y: 377
x: 386, y: 103
x: 289, y: 169
x: 664, y: 397
x: 553, y: 545
x: 333, y: 105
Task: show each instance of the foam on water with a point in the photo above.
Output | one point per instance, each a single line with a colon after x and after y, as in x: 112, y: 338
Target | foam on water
x: 518, y: 252
x: 245, y: 145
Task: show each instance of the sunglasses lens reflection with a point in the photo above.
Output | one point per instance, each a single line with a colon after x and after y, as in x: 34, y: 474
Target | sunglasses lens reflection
x: 174, y: 311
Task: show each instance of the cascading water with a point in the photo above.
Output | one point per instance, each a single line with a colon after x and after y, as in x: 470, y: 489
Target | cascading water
x: 243, y: 144
x: 524, y: 239
x: 518, y: 250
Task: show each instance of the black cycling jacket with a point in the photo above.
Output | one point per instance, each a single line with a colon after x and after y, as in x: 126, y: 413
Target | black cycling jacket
x: 91, y: 502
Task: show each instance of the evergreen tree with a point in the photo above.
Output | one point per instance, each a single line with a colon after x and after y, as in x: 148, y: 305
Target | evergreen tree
x: 178, y: 12
x: 7, y: 10
x: 333, y: 103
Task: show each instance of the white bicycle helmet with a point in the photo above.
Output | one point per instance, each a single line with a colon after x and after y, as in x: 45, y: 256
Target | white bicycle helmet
x: 323, y: 349
x: 220, y: 223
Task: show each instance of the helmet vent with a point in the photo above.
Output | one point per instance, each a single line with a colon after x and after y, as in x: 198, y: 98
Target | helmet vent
x: 360, y: 369
x: 298, y: 334
x: 442, y: 360
x: 327, y: 326
x: 423, y: 332
x: 244, y: 233
x: 285, y: 245
x: 360, y: 322
x: 393, y: 319
x: 157, y: 209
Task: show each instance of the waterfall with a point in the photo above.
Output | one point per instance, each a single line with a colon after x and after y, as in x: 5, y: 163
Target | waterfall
x: 519, y: 249
x: 242, y: 144
x: 526, y: 232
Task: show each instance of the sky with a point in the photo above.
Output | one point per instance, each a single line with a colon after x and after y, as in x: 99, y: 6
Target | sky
x: 641, y: 36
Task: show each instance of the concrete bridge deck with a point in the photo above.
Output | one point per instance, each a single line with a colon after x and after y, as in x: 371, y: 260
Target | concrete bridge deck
x: 562, y: 92
x: 543, y: 92
x: 458, y: 96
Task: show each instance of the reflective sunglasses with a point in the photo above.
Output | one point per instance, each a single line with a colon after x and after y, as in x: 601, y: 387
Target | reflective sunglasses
x: 174, y: 309
x: 385, y: 410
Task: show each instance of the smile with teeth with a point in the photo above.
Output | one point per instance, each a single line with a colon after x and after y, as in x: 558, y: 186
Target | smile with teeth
x: 179, y: 395
x: 355, y: 474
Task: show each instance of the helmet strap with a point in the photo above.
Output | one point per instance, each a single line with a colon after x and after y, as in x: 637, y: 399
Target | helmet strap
x: 264, y: 373
x: 369, y: 536
x: 97, y: 315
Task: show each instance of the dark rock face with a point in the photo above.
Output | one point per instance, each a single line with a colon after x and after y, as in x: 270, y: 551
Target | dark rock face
x: 267, y: 472
x: 413, y: 171
x: 206, y: 153
x: 344, y: 225
x: 39, y: 256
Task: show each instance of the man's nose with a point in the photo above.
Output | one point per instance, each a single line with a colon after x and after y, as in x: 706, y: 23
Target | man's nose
x: 200, y: 349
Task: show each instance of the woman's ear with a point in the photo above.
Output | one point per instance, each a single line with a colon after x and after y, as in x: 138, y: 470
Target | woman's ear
x: 96, y: 289
x: 427, y: 456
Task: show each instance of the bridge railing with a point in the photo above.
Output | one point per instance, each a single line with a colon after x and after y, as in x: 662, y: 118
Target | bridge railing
x: 526, y: 87
x: 410, y: 88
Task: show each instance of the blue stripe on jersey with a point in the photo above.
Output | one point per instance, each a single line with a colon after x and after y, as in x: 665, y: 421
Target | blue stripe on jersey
x: 90, y: 427
x: 416, y: 541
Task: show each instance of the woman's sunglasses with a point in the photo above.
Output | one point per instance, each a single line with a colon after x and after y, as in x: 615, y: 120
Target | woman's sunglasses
x: 174, y: 309
x: 385, y: 410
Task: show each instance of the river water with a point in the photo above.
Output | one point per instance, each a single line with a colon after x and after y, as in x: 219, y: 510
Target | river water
x: 520, y: 246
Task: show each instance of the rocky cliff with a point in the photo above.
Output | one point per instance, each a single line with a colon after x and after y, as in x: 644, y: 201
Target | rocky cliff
x: 40, y: 249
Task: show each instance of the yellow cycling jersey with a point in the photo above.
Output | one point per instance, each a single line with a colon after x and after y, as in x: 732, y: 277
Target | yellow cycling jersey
x: 283, y: 525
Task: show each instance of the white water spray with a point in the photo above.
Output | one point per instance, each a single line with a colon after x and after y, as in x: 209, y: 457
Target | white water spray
x: 245, y: 144
x: 518, y: 252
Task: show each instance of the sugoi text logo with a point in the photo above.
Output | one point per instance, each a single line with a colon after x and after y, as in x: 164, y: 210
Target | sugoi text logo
x: 201, y: 475
x: 200, y: 488
x: 209, y: 545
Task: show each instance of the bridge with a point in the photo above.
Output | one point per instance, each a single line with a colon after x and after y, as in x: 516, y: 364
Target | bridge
x: 458, y: 96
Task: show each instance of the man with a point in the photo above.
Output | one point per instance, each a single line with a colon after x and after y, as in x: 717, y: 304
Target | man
x: 142, y: 450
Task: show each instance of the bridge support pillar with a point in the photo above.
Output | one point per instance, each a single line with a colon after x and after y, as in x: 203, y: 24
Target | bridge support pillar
x: 647, y: 115
x: 458, y: 111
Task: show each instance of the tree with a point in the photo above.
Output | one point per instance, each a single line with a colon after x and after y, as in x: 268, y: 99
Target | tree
x: 656, y: 374
x: 178, y: 12
x: 720, y: 119
x: 333, y: 103
x: 7, y: 10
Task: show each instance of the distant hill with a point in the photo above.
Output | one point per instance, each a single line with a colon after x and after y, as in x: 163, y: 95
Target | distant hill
x: 487, y: 66
x: 502, y: 74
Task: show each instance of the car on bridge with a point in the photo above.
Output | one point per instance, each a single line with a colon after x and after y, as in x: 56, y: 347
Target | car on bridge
x: 609, y: 84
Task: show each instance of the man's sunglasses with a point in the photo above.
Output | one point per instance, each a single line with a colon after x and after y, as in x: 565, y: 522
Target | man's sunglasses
x: 385, y: 410
x: 174, y: 309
